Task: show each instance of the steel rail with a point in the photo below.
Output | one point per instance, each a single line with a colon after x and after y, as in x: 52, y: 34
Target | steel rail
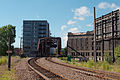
x: 91, y: 72
x: 46, y: 74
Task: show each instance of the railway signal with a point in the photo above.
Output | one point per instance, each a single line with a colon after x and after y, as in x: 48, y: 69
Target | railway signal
x: 9, y: 53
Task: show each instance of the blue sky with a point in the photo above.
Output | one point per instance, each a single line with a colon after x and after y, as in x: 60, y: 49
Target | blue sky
x: 63, y: 15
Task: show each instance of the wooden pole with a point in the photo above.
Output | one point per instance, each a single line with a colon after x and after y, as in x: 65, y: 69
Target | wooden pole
x: 9, y: 54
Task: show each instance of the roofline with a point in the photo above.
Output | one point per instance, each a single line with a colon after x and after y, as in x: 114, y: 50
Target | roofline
x: 36, y: 20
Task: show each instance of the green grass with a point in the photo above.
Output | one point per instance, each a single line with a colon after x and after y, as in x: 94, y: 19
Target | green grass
x: 4, y: 73
x: 3, y: 60
x: 94, y: 65
x: 8, y: 75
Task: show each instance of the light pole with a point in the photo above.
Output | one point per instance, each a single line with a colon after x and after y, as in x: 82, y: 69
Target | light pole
x: 20, y: 43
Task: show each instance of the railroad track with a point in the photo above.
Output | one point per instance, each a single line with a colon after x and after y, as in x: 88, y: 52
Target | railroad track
x: 90, y: 72
x: 43, y: 72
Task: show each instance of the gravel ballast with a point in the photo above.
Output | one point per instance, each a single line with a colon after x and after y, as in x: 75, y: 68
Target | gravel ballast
x: 66, y: 71
x: 23, y: 72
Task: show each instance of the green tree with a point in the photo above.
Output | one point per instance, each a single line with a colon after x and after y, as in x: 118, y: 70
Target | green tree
x: 6, y: 32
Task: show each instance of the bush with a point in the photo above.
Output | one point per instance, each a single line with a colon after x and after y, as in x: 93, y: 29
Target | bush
x: 117, y: 61
x: 105, y: 66
x: 117, y: 52
x: 90, y: 64
x: 108, y: 58
x: 3, y: 60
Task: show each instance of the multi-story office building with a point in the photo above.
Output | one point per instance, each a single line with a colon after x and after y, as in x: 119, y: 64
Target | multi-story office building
x: 33, y: 30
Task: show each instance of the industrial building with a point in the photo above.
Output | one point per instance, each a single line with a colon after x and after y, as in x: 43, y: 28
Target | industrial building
x: 107, y: 37
x: 33, y: 30
x: 82, y: 43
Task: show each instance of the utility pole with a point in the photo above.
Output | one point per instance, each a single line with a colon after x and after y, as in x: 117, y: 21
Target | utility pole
x: 113, y: 44
x: 102, y: 43
x: 95, y: 58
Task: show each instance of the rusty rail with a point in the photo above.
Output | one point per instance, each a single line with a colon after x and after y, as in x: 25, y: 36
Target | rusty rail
x: 44, y: 72
x: 97, y: 73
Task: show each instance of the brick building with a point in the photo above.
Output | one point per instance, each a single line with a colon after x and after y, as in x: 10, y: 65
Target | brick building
x: 108, y: 32
x: 81, y: 42
x: 107, y: 37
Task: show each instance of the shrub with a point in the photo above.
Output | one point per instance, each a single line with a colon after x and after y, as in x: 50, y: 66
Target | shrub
x: 90, y: 64
x: 117, y: 52
x: 3, y: 60
x: 117, y: 61
x: 108, y: 58
x: 105, y: 66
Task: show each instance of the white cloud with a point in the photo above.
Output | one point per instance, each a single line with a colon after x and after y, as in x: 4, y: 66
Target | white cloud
x: 65, y: 38
x: 70, y: 22
x: 113, y: 5
x: 105, y: 5
x: 89, y: 25
x: 74, y: 30
x: 81, y: 12
x: 81, y: 18
x: 63, y: 27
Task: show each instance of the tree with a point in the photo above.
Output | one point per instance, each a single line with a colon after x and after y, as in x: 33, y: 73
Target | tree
x: 5, y: 33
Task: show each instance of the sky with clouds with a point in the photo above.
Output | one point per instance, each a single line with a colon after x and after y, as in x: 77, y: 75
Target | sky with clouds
x: 63, y: 15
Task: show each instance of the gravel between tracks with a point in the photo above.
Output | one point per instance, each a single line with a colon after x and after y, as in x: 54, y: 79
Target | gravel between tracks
x: 24, y: 72
x: 66, y: 71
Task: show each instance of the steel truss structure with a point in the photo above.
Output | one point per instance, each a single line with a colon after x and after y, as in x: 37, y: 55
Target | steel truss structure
x: 46, y: 43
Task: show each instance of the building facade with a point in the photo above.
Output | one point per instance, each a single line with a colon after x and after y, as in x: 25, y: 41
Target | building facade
x: 107, y: 36
x: 108, y: 32
x: 33, y: 30
x: 82, y: 43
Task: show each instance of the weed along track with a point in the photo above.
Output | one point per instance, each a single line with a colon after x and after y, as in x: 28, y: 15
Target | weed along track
x: 44, y: 72
x: 90, y: 72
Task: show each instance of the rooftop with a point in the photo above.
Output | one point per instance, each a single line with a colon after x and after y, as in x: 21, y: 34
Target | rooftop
x: 81, y: 33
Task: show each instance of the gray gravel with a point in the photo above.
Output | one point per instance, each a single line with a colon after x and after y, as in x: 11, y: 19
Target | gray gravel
x: 66, y: 71
x: 24, y: 72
